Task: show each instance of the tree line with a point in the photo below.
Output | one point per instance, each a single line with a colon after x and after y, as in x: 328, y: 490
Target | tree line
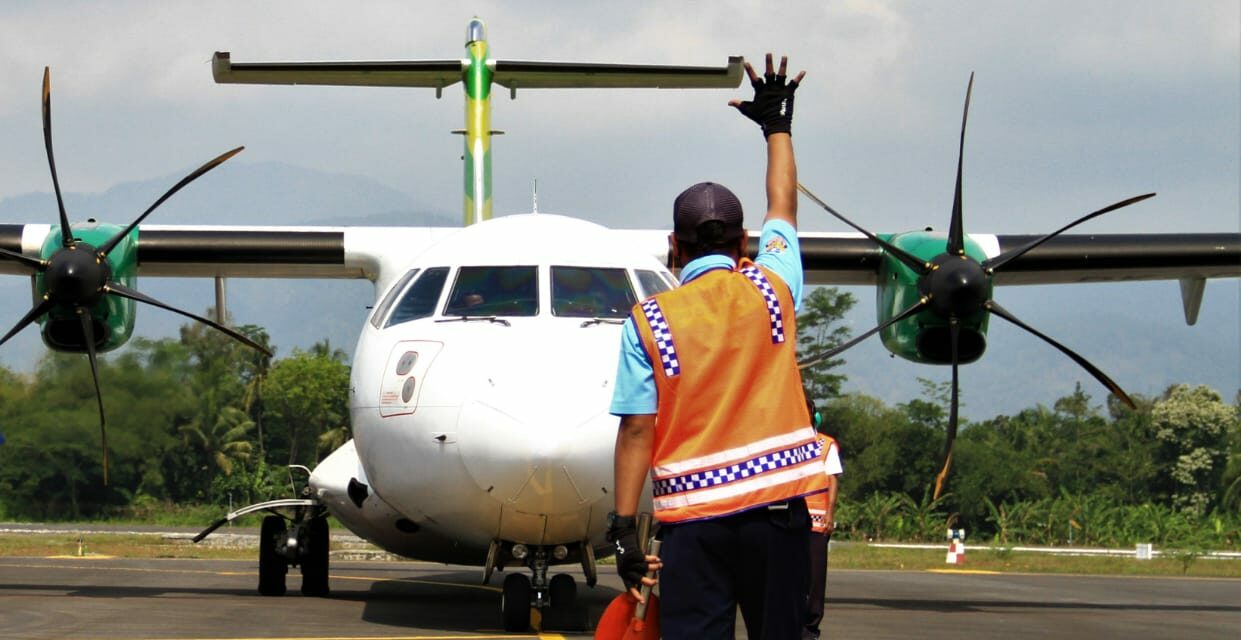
x: 203, y: 420
x: 1078, y: 472
x: 200, y: 419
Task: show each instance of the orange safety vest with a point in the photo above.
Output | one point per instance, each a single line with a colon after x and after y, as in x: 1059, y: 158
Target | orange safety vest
x: 731, y: 429
x: 817, y: 503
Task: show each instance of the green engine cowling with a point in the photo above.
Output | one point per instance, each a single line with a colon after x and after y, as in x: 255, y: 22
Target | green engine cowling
x: 924, y: 337
x: 113, y: 315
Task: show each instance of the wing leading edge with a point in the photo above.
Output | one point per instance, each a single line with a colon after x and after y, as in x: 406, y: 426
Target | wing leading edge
x: 513, y: 74
x: 829, y: 258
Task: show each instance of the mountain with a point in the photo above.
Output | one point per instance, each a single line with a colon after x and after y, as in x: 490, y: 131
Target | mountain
x: 236, y: 192
x: 1133, y: 331
x: 233, y: 193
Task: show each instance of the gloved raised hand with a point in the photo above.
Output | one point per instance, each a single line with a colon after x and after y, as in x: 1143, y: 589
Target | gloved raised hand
x: 772, y: 106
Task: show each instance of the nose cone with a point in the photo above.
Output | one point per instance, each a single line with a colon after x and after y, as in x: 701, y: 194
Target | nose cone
x: 75, y: 275
x: 539, y: 447
x: 958, y: 286
x: 476, y: 31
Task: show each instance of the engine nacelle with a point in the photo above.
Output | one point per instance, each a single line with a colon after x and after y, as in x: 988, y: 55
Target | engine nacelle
x: 113, y: 316
x: 924, y: 337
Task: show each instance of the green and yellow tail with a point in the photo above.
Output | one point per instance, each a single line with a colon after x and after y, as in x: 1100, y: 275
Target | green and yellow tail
x: 478, y: 72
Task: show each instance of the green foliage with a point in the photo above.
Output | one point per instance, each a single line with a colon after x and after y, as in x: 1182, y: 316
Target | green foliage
x: 202, y: 420
x: 185, y: 424
x: 306, y: 396
x: 1070, y: 474
x: 1076, y: 520
x: 1194, y: 429
x: 818, y: 331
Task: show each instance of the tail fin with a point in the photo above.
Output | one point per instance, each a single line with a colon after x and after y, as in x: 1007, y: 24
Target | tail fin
x: 478, y: 72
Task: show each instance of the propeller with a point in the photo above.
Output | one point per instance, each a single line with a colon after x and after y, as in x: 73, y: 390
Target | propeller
x: 954, y: 286
x: 77, y: 275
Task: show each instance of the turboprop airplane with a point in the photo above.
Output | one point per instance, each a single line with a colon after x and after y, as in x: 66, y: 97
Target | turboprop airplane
x: 481, y: 379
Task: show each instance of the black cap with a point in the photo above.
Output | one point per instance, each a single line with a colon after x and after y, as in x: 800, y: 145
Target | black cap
x: 707, y: 202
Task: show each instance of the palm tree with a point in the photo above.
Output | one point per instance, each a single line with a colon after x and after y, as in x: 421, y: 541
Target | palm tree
x: 226, y: 442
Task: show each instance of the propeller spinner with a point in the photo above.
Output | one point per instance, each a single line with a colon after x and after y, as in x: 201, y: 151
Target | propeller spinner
x: 954, y: 286
x: 78, y: 275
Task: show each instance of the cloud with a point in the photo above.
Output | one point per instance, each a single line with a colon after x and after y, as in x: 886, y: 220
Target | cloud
x: 1075, y: 104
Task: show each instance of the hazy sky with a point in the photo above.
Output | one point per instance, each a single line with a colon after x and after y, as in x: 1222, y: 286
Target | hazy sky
x: 1076, y: 104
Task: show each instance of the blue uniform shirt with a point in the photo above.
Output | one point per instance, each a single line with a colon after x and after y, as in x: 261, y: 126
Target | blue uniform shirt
x: 634, y: 393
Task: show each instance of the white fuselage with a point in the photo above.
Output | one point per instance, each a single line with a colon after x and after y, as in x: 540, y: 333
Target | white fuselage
x: 495, y: 427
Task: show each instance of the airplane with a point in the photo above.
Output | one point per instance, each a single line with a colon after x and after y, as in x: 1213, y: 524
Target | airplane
x: 482, y: 376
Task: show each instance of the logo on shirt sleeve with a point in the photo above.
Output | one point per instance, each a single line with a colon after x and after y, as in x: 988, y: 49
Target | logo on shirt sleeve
x: 776, y: 245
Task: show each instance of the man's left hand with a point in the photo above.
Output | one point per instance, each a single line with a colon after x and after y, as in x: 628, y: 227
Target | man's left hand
x: 772, y: 106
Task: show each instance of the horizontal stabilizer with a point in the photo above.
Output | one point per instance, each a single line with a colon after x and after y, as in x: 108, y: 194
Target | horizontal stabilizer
x: 524, y: 74
x: 384, y: 73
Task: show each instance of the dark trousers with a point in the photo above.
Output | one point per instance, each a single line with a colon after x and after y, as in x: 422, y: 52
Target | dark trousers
x: 818, y: 582
x: 756, y: 560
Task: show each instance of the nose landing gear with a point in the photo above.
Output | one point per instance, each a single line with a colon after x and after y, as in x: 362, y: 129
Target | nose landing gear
x: 555, y: 600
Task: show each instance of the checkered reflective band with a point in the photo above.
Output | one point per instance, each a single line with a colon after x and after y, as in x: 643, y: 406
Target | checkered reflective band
x: 769, y: 296
x: 765, y: 463
x: 663, y: 337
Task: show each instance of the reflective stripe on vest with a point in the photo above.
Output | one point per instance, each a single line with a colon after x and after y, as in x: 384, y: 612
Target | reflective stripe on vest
x: 817, y: 503
x: 731, y: 429
x: 663, y: 339
x: 769, y: 296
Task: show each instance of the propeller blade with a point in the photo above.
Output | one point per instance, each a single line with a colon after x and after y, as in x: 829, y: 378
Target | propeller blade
x: 66, y: 234
x: 31, y: 316
x: 956, y: 229
x: 88, y: 335
x: 910, y: 261
x: 954, y: 331
x: 107, y: 247
x: 26, y: 260
x: 126, y: 292
x: 995, y: 263
x: 827, y: 355
x: 998, y: 310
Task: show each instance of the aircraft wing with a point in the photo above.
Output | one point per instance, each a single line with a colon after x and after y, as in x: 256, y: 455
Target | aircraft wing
x: 379, y: 73
x: 1190, y: 258
x: 829, y: 258
x: 527, y: 74
x: 852, y: 259
x: 513, y: 74
x: 251, y: 252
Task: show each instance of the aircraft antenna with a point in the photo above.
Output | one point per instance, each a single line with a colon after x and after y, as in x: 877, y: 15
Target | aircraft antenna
x: 534, y: 196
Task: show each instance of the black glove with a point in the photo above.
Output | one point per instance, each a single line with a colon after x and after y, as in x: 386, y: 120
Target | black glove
x: 772, y: 106
x: 630, y: 561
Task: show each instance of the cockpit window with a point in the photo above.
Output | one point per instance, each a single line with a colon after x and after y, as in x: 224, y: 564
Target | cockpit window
x: 651, y: 282
x: 382, y: 309
x: 494, y: 291
x: 586, y: 292
x: 419, y: 300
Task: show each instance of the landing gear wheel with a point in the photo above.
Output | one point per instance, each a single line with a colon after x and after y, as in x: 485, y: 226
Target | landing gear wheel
x: 315, y: 564
x: 563, y: 591
x: 563, y: 613
x: 515, y: 602
x: 272, y: 567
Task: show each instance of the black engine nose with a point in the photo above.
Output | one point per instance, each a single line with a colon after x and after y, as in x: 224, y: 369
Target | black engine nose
x: 75, y: 275
x: 957, y: 286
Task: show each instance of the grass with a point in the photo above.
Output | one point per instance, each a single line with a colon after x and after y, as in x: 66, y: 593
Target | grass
x: 859, y: 556
x: 843, y: 556
x: 119, y: 545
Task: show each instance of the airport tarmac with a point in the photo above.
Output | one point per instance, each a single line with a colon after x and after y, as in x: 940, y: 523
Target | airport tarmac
x: 175, y: 598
